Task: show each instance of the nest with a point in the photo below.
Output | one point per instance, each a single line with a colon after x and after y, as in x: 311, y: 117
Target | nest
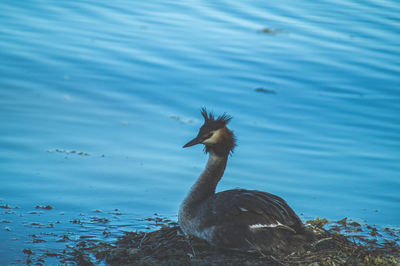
x: 338, y: 243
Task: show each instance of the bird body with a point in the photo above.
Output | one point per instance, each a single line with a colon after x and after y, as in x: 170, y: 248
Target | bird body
x: 247, y: 220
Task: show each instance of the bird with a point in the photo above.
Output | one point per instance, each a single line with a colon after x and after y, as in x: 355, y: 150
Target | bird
x: 237, y: 219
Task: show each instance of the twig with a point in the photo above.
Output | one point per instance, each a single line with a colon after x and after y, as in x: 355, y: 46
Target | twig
x: 141, y: 240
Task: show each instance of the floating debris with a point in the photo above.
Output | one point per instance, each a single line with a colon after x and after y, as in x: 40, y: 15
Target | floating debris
x: 159, y: 221
x: 116, y: 212
x: 317, y: 222
x: 28, y: 251
x: 35, y: 225
x: 38, y: 240
x: 76, y: 221
x: 271, y: 31
x: 47, y: 207
x: 265, y: 90
x: 64, y: 238
x: 100, y: 220
x: 69, y: 152
x: 343, y: 221
x: 355, y: 224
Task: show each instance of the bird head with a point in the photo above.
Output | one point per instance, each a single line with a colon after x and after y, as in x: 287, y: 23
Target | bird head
x: 214, y: 134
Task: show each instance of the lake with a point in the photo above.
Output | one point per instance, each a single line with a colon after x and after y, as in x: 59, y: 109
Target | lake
x: 97, y: 100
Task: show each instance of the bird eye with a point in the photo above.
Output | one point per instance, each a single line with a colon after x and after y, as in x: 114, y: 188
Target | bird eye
x: 208, y: 135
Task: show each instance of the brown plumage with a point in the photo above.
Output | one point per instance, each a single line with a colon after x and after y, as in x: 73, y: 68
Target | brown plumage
x: 247, y: 220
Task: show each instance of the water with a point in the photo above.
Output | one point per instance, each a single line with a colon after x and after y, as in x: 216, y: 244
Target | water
x: 97, y: 99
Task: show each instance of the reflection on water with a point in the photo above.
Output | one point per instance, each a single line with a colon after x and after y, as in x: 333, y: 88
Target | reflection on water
x: 98, y: 99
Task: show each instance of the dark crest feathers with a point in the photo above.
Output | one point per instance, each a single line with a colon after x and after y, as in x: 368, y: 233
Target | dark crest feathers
x: 208, y: 117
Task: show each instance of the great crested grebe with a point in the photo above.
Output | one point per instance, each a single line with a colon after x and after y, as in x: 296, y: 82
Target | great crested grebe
x: 247, y: 220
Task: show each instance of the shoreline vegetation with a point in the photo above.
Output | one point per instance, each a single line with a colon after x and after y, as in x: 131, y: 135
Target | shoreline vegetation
x: 343, y: 242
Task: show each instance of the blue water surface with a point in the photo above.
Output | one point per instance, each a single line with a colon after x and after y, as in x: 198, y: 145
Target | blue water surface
x: 97, y: 99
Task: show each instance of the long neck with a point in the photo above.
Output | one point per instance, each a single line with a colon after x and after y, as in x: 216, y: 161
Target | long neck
x: 208, y: 180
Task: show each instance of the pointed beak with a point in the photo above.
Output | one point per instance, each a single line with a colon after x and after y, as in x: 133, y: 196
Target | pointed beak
x: 192, y: 142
